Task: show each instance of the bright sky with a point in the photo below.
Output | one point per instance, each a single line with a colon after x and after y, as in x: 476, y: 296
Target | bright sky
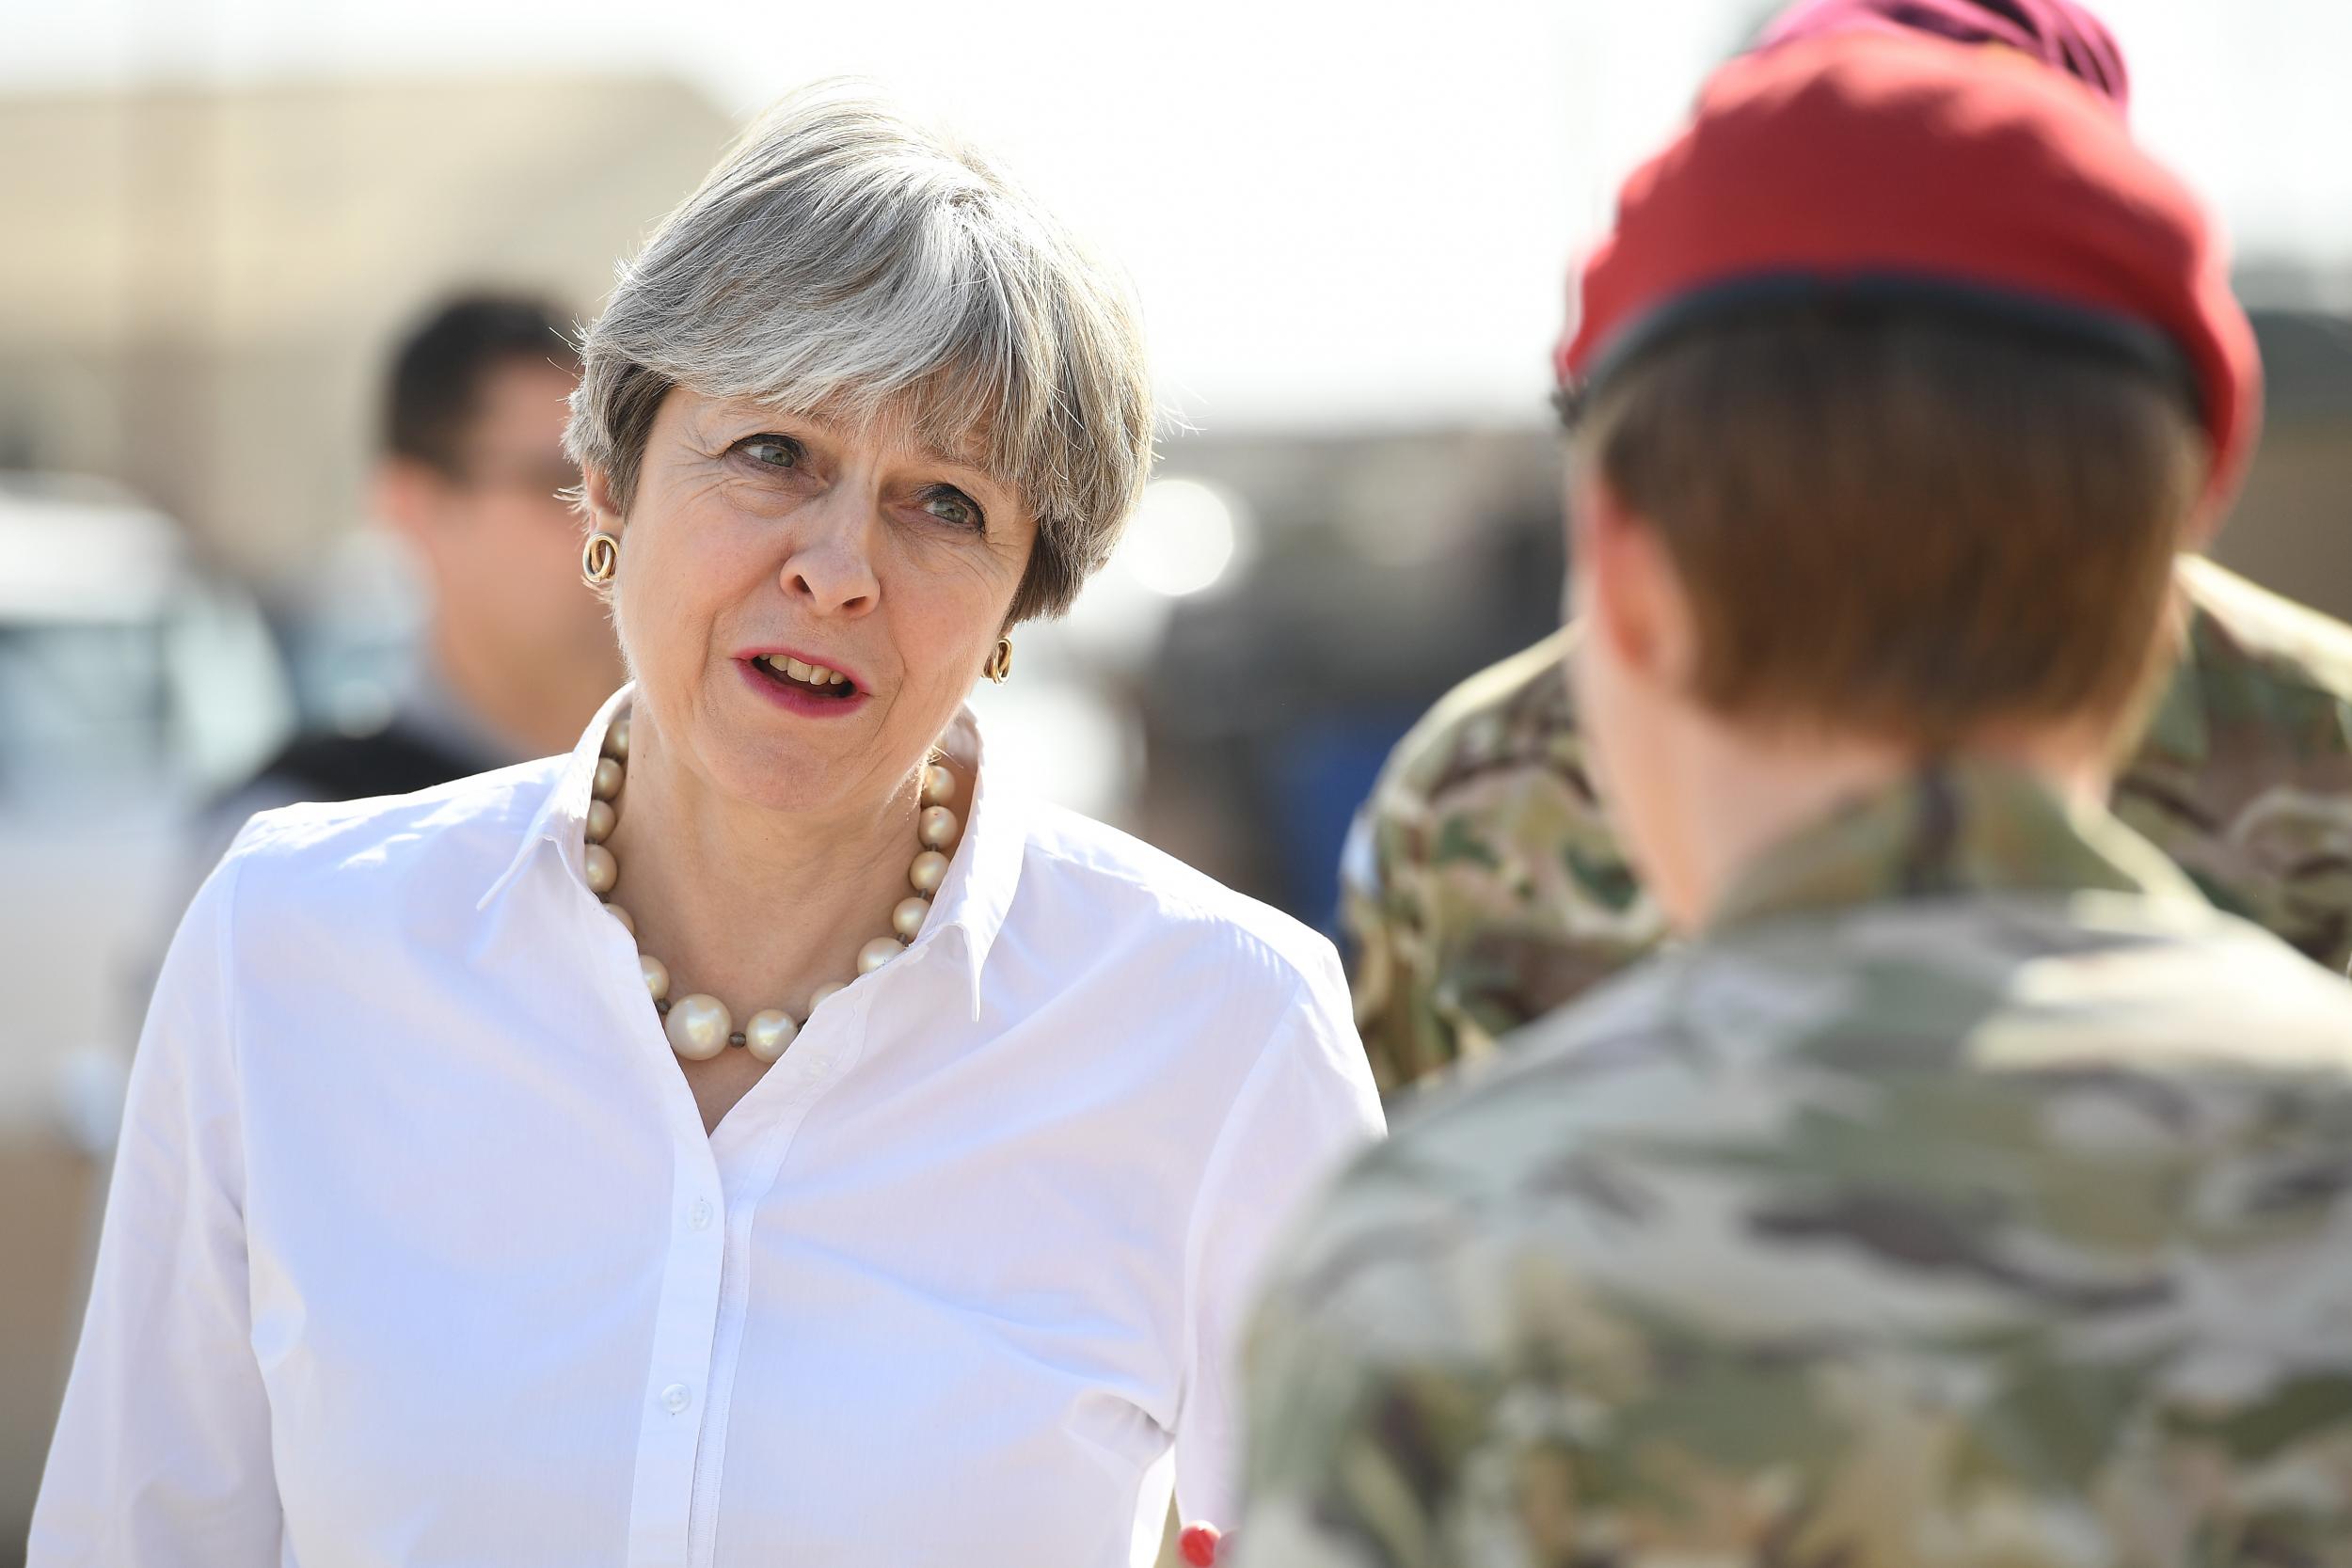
x: 1353, y: 213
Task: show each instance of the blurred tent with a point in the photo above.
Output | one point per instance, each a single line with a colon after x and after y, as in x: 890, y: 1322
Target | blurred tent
x: 200, y: 286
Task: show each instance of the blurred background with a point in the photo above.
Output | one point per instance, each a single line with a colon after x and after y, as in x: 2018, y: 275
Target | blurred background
x: 1349, y: 227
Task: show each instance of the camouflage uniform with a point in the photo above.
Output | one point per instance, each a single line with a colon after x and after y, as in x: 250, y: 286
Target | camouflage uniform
x: 1972, y: 1195
x: 1484, y: 885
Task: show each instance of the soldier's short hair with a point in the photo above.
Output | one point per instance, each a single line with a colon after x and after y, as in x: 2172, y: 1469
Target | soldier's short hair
x: 1905, y: 524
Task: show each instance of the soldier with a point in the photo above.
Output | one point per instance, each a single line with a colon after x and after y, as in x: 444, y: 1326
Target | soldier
x: 1965, y: 1190
x: 1484, y: 885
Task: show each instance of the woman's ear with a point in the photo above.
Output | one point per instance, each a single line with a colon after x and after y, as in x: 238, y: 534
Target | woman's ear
x: 596, y: 500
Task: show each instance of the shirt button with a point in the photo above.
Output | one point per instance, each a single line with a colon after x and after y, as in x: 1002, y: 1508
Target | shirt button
x: 699, y: 1216
x: 818, y: 1067
x: 675, y: 1398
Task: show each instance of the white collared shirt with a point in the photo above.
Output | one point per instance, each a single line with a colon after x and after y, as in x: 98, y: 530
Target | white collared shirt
x: 417, y: 1252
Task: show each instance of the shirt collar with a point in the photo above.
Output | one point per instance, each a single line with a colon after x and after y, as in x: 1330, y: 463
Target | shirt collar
x: 978, y: 894
x: 562, y: 818
x: 973, y: 900
x: 1956, y: 829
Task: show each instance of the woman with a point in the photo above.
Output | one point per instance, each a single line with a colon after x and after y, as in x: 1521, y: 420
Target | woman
x: 877, y: 1172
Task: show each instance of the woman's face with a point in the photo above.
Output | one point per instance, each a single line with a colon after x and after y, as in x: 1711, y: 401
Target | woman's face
x: 756, y: 538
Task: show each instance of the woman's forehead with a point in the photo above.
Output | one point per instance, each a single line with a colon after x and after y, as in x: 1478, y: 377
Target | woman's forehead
x: 902, y: 426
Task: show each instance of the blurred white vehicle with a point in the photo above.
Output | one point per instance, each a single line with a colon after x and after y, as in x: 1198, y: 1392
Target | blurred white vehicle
x: 132, y: 686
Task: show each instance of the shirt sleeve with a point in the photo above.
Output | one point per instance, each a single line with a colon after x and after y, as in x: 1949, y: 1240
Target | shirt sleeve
x: 162, y: 1453
x: 1307, y: 1104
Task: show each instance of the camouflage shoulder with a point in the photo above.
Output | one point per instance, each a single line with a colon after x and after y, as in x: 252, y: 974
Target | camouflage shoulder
x: 1483, y: 883
x: 1521, y: 696
x: 1465, y: 1144
x: 2245, y: 775
x: 1379, y: 1355
x: 2292, y: 644
x: 1757, y: 1315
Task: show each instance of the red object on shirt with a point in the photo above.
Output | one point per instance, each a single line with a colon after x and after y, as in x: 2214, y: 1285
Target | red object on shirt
x: 1197, y: 1544
x: 1877, y: 165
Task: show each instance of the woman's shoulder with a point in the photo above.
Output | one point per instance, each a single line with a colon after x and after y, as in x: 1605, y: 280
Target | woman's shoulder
x: 480, y: 819
x: 1247, y: 996
x: 1089, y: 868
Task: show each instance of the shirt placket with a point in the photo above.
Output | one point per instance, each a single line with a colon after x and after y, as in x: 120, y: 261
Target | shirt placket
x: 677, y: 1373
x: 697, y: 1347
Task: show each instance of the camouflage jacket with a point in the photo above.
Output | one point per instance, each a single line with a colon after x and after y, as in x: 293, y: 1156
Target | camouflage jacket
x: 1972, y: 1195
x: 1484, y: 885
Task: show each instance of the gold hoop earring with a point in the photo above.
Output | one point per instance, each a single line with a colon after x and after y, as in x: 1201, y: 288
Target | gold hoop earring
x: 999, y: 663
x: 599, y: 558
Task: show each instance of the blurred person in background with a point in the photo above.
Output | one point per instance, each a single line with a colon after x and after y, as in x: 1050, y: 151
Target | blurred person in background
x: 1966, y: 1190
x: 518, y: 654
x: 1485, y: 883
x: 759, y: 1130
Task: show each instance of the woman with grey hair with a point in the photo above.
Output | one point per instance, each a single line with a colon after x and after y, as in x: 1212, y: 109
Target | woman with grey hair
x: 760, y: 1135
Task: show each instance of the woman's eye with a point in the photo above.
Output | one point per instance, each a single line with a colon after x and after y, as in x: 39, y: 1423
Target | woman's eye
x: 771, y: 452
x: 951, y: 505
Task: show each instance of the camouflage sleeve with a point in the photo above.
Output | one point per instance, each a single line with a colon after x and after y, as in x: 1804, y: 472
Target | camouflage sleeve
x: 1482, y: 885
x: 2244, y: 775
x: 1341, y: 1471
x: 1392, y: 975
x: 1389, y: 1431
x: 1381, y: 1430
x: 1569, y: 1428
x: 1371, y: 1454
x: 1588, y: 1316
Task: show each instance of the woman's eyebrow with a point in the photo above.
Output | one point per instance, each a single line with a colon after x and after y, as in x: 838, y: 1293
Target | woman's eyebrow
x: 963, y: 462
x: 970, y: 454
x: 744, y: 411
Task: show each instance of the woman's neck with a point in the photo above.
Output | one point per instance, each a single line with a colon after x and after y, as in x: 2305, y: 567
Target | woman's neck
x: 754, y: 906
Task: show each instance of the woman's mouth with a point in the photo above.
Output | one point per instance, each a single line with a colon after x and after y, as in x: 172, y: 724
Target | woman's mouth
x: 813, y: 680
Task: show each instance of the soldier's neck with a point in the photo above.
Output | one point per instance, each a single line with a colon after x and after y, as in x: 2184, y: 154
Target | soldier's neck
x: 1746, y: 793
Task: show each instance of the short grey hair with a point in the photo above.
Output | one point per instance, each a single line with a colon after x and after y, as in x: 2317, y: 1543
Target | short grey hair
x: 843, y: 259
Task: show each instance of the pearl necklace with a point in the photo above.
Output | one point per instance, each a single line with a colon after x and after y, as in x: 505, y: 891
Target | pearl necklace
x: 699, y: 1026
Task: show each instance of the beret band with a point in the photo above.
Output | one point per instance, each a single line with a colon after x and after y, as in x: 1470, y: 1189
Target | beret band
x: 2062, y: 325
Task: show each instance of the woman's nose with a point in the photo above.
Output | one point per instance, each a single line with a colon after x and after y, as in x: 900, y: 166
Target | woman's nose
x: 831, y: 566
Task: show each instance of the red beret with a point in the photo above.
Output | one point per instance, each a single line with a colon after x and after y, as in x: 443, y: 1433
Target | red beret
x: 1865, y: 165
x: 2058, y: 33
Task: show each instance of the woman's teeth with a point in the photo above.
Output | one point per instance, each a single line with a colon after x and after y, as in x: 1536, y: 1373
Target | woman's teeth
x: 807, y: 675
